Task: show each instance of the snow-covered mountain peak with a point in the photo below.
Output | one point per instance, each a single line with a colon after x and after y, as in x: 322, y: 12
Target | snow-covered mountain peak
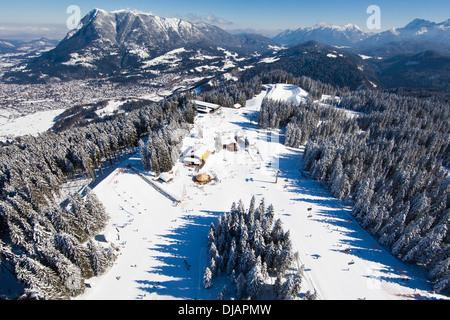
x: 325, y: 25
x: 351, y: 26
x: 350, y: 34
x: 347, y: 34
x: 418, y: 30
x: 135, y: 12
x: 417, y: 24
x: 122, y: 41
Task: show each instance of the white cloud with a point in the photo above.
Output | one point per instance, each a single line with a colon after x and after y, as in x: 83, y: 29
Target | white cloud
x: 216, y: 20
x: 323, y: 24
x: 210, y: 18
x: 269, y: 33
x: 31, y: 32
x: 194, y: 18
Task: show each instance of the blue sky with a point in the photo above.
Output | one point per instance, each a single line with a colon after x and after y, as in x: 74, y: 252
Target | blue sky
x: 48, y: 18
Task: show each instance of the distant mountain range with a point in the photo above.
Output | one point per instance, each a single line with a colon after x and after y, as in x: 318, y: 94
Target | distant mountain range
x: 347, y: 35
x: 418, y: 30
x: 352, y: 35
x: 128, y: 45
x: 27, y: 47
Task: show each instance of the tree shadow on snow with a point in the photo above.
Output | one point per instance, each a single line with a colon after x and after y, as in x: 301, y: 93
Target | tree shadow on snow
x: 246, y: 125
x: 336, y: 216
x: 182, y: 261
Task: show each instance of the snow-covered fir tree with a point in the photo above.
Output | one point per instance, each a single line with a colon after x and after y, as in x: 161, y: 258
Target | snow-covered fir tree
x: 250, y: 249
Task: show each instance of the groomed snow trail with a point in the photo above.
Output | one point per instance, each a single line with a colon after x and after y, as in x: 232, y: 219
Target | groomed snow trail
x: 161, y: 246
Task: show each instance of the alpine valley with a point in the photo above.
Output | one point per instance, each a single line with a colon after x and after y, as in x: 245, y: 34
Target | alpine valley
x: 123, y: 44
x: 154, y: 158
x: 127, y: 46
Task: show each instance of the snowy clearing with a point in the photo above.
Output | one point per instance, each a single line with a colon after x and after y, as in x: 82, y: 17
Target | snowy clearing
x: 112, y: 107
x: 287, y: 92
x: 32, y: 124
x: 154, y: 236
x: 269, y: 60
x: 167, y: 58
x: 76, y: 59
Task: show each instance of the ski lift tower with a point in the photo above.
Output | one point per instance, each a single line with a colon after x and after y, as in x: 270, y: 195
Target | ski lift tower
x: 278, y: 172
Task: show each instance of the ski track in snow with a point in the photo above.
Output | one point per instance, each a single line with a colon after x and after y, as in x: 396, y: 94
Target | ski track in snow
x: 162, y: 247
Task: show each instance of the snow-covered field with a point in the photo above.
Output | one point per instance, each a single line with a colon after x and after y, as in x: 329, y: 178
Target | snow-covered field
x: 110, y: 108
x: 156, y: 238
x: 32, y: 124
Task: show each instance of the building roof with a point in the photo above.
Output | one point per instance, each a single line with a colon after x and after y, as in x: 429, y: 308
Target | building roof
x: 192, y: 160
x: 197, y: 151
x: 206, y: 106
x: 166, y: 177
x: 203, y: 177
x: 228, y: 139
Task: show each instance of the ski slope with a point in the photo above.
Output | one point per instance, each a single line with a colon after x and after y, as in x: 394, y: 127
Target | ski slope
x: 287, y: 92
x: 162, y: 246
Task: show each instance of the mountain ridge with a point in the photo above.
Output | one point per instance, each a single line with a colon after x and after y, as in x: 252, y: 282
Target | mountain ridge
x: 348, y: 34
x: 126, y: 45
x: 351, y: 35
x: 324, y: 63
x: 109, y: 44
x: 428, y: 69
